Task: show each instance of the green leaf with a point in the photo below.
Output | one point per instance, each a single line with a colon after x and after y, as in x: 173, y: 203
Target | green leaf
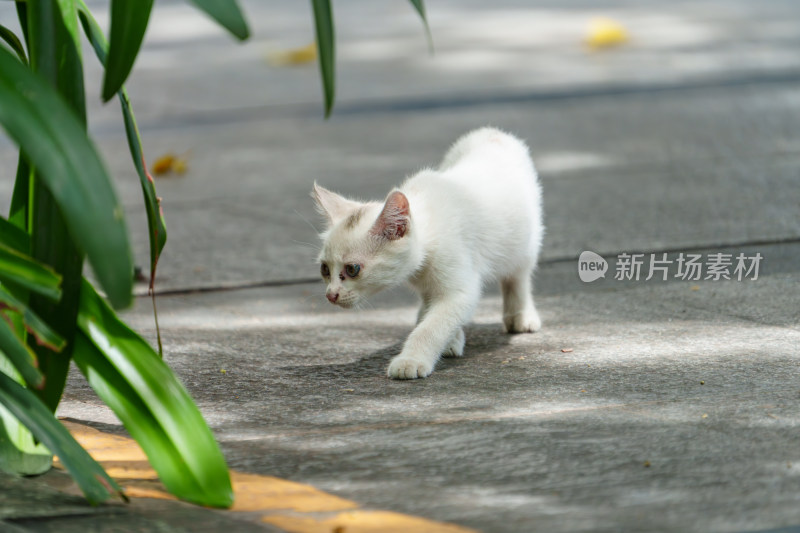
x: 20, y: 453
x: 42, y: 333
x: 29, y: 273
x: 128, y: 23
x: 18, y: 212
x: 323, y: 20
x: 55, y: 59
x: 227, y: 14
x: 14, y: 237
x: 55, y: 142
x: 13, y: 41
x: 22, y: 357
x: 155, y: 217
x: 54, y: 48
x: 155, y: 408
x: 96, y: 485
x: 157, y: 230
x: 22, y: 15
x: 69, y: 18
x: 420, y: 7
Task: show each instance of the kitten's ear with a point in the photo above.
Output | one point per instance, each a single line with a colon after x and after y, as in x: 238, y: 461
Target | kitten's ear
x: 393, y: 221
x: 331, y: 205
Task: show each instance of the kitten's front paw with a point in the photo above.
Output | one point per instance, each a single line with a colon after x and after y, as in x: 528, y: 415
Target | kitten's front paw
x: 456, y: 346
x: 525, y: 322
x: 408, y: 368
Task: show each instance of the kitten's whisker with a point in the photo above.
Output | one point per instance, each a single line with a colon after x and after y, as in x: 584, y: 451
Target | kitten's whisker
x: 314, y: 246
x: 365, y: 303
x: 306, y: 220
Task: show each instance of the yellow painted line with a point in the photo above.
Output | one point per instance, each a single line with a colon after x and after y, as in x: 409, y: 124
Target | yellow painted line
x: 291, y: 506
x: 264, y: 493
x: 363, y: 522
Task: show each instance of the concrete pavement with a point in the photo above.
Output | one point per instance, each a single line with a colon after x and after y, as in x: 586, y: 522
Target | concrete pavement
x: 641, y: 405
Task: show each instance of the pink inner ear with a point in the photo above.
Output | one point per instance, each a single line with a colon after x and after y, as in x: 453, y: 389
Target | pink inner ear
x: 392, y: 223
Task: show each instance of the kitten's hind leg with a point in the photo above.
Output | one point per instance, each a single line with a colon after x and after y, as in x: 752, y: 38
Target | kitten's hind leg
x: 519, y: 311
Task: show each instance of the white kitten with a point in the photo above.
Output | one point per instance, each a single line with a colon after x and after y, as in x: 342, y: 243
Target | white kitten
x: 446, y: 231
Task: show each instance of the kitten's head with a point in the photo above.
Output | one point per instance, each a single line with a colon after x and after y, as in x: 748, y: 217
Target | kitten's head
x: 366, y: 246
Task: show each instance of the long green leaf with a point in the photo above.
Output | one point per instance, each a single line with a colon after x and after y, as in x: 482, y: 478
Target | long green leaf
x: 22, y: 357
x: 69, y: 18
x: 54, y: 47
x: 14, y: 237
x: 33, y: 324
x: 124, y: 400
x: 20, y: 453
x: 128, y: 23
x: 227, y: 14
x: 18, y: 212
x: 22, y: 15
x: 36, y: 118
x: 13, y: 41
x: 29, y: 273
x: 323, y: 20
x: 157, y: 229
x: 88, y: 474
x: 155, y: 217
x: 420, y: 7
x: 55, y: 59
x: 155, y: 408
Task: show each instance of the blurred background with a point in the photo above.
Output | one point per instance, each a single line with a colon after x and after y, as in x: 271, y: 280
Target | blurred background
x: 656, y: 127
x: 481, y: 50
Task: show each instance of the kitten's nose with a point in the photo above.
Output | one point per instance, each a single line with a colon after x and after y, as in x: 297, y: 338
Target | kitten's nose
x: 332, y: 297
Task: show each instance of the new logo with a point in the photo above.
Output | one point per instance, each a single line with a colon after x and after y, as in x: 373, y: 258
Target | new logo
x: 591, y: 266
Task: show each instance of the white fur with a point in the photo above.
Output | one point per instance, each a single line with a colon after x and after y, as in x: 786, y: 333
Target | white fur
x: 478, y: 217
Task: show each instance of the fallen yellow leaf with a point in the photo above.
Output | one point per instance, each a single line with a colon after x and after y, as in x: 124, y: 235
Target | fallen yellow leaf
x: 293, y: 56
x: 605, y: 33
x: 163, y: 164
x: 169, y: 162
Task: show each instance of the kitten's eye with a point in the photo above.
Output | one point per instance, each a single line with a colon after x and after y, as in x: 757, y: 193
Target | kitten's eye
x: 352, y: 270
x: 324, y: 270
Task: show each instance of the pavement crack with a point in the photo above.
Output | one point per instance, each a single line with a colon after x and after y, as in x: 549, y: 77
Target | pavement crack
x: 556, y: 260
